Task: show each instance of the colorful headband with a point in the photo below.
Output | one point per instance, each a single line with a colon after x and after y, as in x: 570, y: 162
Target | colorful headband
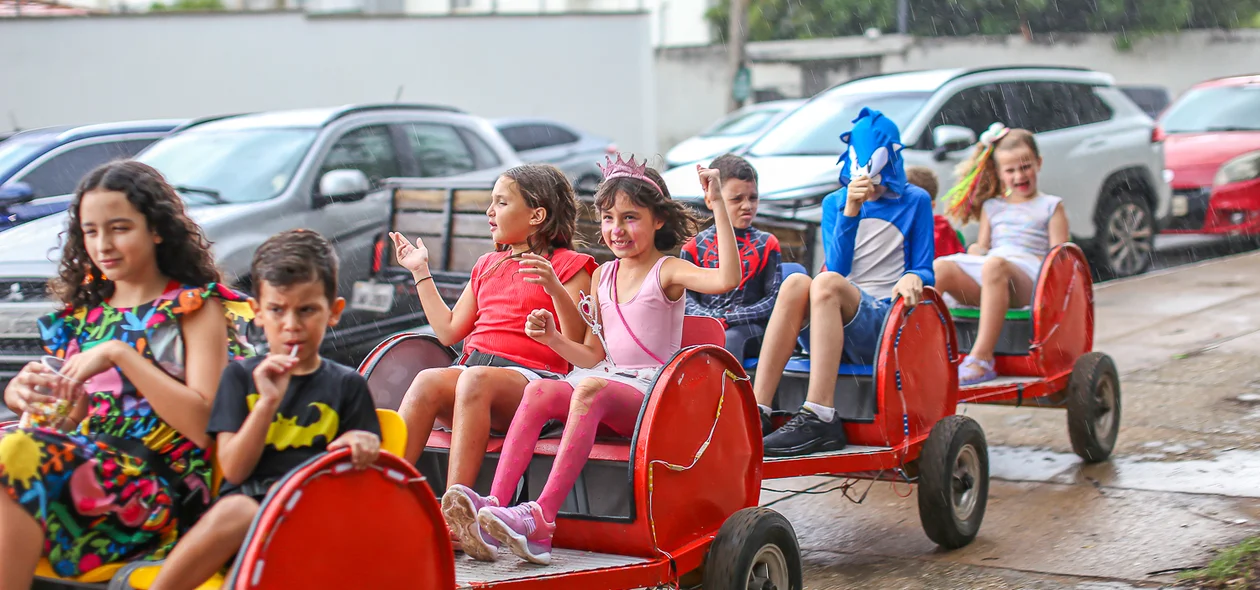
x: 624, y: 169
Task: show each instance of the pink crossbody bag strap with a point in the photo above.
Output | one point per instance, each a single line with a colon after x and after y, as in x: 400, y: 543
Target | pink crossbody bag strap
x: 617, y: 306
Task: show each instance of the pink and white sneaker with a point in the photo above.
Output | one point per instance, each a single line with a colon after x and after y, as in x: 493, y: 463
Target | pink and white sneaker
x: 522, y: 528
x: 460, y: 505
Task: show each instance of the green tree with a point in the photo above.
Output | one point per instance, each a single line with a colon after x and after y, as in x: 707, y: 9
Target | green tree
x: 189, y: 5
x: 804, y: 19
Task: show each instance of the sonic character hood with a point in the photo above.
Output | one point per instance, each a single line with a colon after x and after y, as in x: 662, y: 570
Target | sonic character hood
x: 874, y: 151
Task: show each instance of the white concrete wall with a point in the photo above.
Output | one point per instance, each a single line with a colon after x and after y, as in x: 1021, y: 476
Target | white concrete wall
x: 673, y: 22
x: 693, y: 87
x: 592, y: 71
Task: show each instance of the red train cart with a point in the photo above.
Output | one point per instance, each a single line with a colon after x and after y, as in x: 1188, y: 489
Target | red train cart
x: 900, y: 421
x: 1045, y: 356
x: 634, y: 519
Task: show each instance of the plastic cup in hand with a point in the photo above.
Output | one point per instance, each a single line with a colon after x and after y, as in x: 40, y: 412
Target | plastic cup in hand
x: 47, y: 415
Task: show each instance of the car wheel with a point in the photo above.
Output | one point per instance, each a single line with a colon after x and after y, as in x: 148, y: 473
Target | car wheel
x: 1125, y: 236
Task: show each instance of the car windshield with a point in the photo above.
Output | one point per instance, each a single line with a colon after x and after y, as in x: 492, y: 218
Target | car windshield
x: 240, y: 165
x: 1218, y: 108
x: 16, y: 150
x: 815, y: 128
x: 742, y: 123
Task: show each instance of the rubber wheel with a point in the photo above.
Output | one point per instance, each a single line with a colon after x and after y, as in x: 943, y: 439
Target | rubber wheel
x: 1093, y: 406
x: 754, y: 550
x: 1125, y: 236
x: 953, y: 482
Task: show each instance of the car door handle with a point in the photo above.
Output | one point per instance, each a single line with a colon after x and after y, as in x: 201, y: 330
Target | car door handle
x: 1093, y: 143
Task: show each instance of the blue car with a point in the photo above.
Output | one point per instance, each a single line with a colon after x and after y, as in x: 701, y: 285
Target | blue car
x: 40, y: 168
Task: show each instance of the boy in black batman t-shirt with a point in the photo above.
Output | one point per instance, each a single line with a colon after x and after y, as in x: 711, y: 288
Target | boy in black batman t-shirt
x: 273, y: 413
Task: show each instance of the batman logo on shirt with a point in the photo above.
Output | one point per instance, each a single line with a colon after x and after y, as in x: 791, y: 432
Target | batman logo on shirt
x: 284, y: 431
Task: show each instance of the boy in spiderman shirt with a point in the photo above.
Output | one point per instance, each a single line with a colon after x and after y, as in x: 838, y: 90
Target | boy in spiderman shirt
x: 744, y: 310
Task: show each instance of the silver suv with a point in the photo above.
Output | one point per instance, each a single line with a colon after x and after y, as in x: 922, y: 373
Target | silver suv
x: 1099, y: 148
x: 248, y: 177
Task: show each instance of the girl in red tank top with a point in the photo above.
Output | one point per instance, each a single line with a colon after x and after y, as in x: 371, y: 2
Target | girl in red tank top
x: 533, y: 218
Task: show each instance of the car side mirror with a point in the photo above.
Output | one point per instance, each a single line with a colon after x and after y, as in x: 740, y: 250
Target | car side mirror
x: 340, y: 186
x: 951, y: 138
x: 16, y: 192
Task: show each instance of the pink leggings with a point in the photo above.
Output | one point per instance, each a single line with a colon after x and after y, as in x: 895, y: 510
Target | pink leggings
x: 583, y: 408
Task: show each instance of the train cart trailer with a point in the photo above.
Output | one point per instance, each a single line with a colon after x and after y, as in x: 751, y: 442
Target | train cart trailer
x: 1045, y: 356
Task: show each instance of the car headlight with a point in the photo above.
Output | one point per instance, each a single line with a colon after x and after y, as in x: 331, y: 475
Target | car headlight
x: 1244, y: 167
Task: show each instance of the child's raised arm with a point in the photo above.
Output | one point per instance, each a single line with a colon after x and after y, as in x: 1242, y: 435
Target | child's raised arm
x: 679, y: 274
x: 449, y: 325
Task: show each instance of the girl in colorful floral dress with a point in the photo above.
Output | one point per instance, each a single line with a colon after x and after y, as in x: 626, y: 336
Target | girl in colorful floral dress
x: 145, y: 333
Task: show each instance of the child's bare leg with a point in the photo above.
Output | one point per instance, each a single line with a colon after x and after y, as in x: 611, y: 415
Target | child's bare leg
x: 432, y: 394
x: 1005, y: 286
x: 790, y: 309
x: 485, y: 398
x: 209, y: 545
x: 951, y: 279
x: 21, y: 542
x: 833, y: 300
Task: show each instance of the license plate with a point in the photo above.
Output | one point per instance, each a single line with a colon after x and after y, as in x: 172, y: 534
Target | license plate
x: 370, y: 296
x: 1180, y: 206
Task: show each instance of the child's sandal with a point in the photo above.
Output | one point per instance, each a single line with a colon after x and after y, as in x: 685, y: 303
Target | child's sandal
x: 973, y: 371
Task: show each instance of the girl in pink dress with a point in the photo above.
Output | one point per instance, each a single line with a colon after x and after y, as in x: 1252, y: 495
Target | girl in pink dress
x: 640, y: 303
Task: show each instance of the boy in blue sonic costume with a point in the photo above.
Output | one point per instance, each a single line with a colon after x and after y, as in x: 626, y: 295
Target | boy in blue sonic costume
x: 877, y: 237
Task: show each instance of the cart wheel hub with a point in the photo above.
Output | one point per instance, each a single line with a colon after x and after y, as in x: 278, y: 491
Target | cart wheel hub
x: 769, y: 570
x: 966, y: 467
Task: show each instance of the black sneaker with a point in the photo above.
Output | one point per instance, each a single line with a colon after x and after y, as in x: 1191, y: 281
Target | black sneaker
x: 804, y: 434
x: 766, y: 425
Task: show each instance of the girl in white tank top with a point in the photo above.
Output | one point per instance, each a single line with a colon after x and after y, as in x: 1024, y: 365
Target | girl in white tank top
x: 1018, y: 226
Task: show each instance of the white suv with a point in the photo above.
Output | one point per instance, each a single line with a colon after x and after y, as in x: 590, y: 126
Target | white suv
x: 1099, y: 150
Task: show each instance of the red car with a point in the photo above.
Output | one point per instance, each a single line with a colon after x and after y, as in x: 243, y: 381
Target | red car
x: 1212, y: 149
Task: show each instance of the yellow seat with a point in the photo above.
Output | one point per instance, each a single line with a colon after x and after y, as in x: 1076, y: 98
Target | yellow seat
x: 142, y: 579
x: 393, y: 432
x: 98, y: 575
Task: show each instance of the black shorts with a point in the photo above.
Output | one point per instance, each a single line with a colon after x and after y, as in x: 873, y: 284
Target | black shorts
x: 474, y: 358
x: 251, y: 489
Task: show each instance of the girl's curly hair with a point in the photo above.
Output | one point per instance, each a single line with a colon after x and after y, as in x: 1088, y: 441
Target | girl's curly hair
x: 182, y: 255
x: 680, y: 219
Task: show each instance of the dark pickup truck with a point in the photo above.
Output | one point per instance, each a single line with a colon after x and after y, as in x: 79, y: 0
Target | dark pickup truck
x: 450, y: 216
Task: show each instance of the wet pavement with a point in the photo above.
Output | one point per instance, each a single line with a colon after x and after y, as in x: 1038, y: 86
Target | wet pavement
x: 1184, y: 479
